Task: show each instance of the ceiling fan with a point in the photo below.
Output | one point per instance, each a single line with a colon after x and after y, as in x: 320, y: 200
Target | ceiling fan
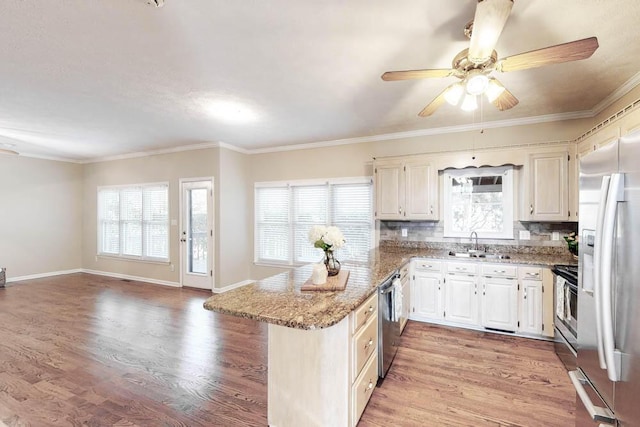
x: 473, y: 66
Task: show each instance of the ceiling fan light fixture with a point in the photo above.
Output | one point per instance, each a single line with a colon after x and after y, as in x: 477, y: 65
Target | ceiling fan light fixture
x: 470, y: 103
x: 454, y: 93
x: 476, y: 83
x: 494, y: 90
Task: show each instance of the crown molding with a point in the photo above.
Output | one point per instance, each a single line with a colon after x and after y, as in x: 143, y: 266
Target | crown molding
x: 617, y: 94
x: 431, y: 131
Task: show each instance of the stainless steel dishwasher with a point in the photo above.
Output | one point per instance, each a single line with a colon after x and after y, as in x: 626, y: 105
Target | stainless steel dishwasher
x: 388, y: 323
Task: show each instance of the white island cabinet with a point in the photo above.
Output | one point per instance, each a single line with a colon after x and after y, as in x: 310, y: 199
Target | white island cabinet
x: 323, y: 377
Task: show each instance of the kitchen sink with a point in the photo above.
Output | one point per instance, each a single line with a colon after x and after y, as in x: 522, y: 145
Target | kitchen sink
x: 467, y: 254
x: 478, y: 254
x: 494, y: 256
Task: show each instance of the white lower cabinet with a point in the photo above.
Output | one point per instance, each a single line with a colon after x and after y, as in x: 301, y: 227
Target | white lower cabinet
x: 500, y: 303
x: 428, y: 296
x: 461, y: 299
x: 502, y: 297
x: 531, y: 307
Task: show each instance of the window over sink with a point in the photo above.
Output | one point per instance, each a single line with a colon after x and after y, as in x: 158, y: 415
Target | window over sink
x: 480, y: 200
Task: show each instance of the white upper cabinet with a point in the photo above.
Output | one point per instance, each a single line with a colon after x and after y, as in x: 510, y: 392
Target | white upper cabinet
x: 547, y: 187
x: 406, y: 190
x: 421, y: 191
x: 389, y: 191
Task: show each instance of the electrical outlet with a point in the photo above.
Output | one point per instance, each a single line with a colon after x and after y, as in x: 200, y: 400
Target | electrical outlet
x: 404, y: 232
x: 172, y: 267
x: 555, y: 235
x: 525, y: 235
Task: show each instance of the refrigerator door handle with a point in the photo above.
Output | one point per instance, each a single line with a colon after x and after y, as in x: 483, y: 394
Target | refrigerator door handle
x: 616, y: 194
x: 597, y: 263
x: 596, y: 413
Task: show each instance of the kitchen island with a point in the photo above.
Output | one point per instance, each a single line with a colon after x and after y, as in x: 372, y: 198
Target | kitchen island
x: 322, y: 356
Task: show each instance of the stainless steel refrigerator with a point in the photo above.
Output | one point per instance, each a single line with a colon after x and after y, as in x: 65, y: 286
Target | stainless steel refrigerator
x: 607, y: 381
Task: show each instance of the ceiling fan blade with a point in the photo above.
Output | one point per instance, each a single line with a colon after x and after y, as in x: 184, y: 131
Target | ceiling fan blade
x: 415, y: 74
x: 505, y: 100
x: 491, y: 17
x: 566, y: 52
x: 434, y: 105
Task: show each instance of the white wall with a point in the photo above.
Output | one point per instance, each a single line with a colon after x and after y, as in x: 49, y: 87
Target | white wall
x: 40, y: 216
x: 234, y: 244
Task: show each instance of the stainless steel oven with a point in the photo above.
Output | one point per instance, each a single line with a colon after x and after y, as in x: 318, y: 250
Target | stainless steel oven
x: 566, y: 319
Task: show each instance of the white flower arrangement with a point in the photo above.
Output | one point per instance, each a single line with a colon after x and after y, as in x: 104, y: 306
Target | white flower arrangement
x: 326, y: 238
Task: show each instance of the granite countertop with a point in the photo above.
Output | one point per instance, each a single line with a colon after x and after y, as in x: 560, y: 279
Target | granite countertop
x: 279, y: 300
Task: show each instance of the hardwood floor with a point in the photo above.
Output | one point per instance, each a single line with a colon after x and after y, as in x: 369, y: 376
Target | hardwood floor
x: 445, y: 376
x: 90, y: 350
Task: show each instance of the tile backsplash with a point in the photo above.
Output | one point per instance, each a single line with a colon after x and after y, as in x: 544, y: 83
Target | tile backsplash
x: 431, y: 233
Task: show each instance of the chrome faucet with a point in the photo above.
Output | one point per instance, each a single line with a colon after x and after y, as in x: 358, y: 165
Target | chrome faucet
x: 471, y: 237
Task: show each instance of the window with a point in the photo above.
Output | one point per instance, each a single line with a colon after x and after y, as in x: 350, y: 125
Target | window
x: 133, y: 221
x: 285, y: 211
x: 480, y: 200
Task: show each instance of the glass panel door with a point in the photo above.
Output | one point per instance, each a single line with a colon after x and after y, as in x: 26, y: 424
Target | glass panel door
x: 196, y: 236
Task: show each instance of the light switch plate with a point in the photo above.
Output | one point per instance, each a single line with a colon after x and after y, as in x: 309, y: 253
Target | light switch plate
x: 404, y: 232
x: 555, y: 235
x: 525, y: 235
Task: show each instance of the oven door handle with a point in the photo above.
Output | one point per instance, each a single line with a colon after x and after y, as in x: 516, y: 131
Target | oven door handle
x: 387, y: 290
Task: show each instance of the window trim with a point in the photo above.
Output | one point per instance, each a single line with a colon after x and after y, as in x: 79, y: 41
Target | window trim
x: 120, y: 256
x: 508, y: 200
x: 289, y: 184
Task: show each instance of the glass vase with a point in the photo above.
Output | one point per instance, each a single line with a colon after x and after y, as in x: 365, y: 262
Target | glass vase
x: 332, y: 264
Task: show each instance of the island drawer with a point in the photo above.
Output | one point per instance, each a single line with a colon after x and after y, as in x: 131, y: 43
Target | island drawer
x: 462, y: 268
x: 365, y: 343
x: 427, y: 265
x: 363, y: 388
x: 530, y: 273
x: 366, y: 311
x: 500, y: 270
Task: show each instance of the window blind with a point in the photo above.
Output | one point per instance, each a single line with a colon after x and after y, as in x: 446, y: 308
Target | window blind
x: 286, y: 211
x: 352, y: 206
x: 133, y: 221
x: 273, y: 233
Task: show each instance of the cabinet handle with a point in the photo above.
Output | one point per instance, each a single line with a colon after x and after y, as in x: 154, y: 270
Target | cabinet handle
x: 399, y: 210
x: 500, y: 271
x: 369, y: 387
x: 461, y: 268
x: 431, y: 207
x: 426, y: 266
x: 531, y: 209
x: 533, y: 274
x: 369, y: 344
x: 525, y: 293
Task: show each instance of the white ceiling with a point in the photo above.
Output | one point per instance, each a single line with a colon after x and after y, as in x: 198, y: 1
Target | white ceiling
x: 83, y: 79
